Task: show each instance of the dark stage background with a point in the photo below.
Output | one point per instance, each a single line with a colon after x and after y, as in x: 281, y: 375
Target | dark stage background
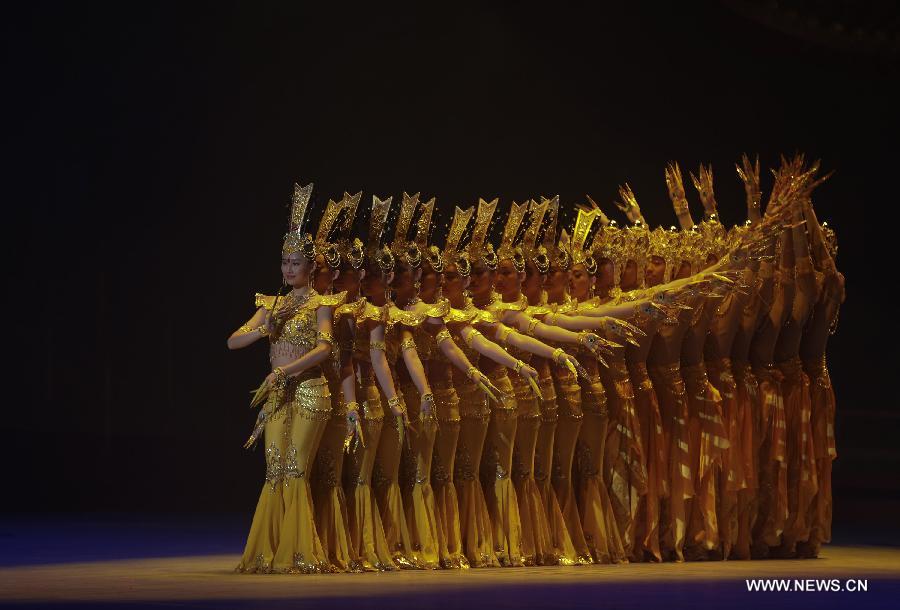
x: 151, y: 150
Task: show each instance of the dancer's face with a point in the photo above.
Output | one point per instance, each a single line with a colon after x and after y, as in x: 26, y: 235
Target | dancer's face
x: 629, y: 279
x: 557, y: 282
x: 373, y: 285
x: 533, y: 284
x: 454, y: 284
x: 347, y: 280
x: 482, y: 283
x: 509, y: 281
x: 605, y: 276
x: 430, y: 282
x: 295, y: 270
x: 322, y: 275
x: 580, y: 282
x: 684, y: 270
x: 655, y: 271
x: 403, y: 284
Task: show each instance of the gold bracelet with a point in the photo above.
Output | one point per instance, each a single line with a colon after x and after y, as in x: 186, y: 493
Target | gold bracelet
x: 534, y: 322
x: 557, y: 353
x: 407, y: 344
x: 442, y: 336
x: 351, y: 406
x: 378, y: 345
x: 280, y: 377
x: 503, y: 334
x: 551, y: 318
x: 518, y: 366
x: 324, y: 337
x: 393, y: 402
x: 471, y: 337
x: 243, y: 330
x: 471, y: 372
x: 428, y: 397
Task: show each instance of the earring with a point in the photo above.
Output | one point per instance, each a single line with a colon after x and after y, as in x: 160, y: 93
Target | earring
x: 417, y: 285
x: 387, y: 295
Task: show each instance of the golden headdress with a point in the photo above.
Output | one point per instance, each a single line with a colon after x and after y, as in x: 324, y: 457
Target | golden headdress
x: 664, y: 243
x: 479, y: 247
x: 562, y: 258
x: 336, y: 222
x: 508, y: 243
x: 402, y: 246
x: 580, y: 232
x: 608, y: 244
x: 377, y: 221
x: 534, y: 252
x: 431, y: 253
x: 295, y: 240
x: 455, y: 233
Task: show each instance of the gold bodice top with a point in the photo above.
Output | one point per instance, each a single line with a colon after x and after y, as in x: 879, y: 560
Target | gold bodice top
x: 300, y: 333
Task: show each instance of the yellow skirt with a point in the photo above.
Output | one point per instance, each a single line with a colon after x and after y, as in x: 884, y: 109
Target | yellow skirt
x: 598, y: 521
x: 476, y: 533
x: 823, y: 413
x: 416, y: 491
x: 802, y: 480
x: 283, y: 536
x: 707, y: 444
x: 653, y: 442
x: 496, y: 467
x: 367, y: 541
x: 673, y: 408
x: 624, y: 461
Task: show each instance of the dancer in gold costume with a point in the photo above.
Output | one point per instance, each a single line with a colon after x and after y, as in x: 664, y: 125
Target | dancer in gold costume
x: 283, y: 535
x: 476, y: 527
x: 822, y: 324
x: 334, y: 270
x: 367, y: 534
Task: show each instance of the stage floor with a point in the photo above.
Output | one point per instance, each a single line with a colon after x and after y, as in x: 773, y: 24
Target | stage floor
x: 207, y: 581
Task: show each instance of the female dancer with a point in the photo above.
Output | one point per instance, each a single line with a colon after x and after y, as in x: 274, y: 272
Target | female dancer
x: 283, y: 535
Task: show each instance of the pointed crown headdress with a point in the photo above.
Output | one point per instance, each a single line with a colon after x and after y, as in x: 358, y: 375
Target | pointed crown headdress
x: 479, y: 248
x: 537, y: 254
x: 509, y: 248
x: 580, y: 232
x: 335, y: 220
x: 431, y: 253
x: 353, y: 251
x: 407, y: 250
x: 452, y: 252
x: 377, y: 222
x: 295, y: 240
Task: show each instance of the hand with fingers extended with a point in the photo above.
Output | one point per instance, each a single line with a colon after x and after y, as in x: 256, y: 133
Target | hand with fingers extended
x: 484, y: 383
x: 354, y: 428
x: 623, y: 330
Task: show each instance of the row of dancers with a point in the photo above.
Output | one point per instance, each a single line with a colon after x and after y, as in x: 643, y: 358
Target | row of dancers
x: 590, y: 394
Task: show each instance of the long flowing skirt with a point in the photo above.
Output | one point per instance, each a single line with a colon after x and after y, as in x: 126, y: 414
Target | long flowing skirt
x: 283, y: 535
x: 823, y: 413
x: 496, y: 468
x: 653, y: 441
x: 450, y: 547
x: 624, y: 459
x: 772, y: 509
x: 475, y: 526
x: 597, y: 519
x: 707, y: 445
x: 750, y: 435
x: 416, y: 491
x: 367, y: 539
x: 802, y: 481
x: 672, y: 397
